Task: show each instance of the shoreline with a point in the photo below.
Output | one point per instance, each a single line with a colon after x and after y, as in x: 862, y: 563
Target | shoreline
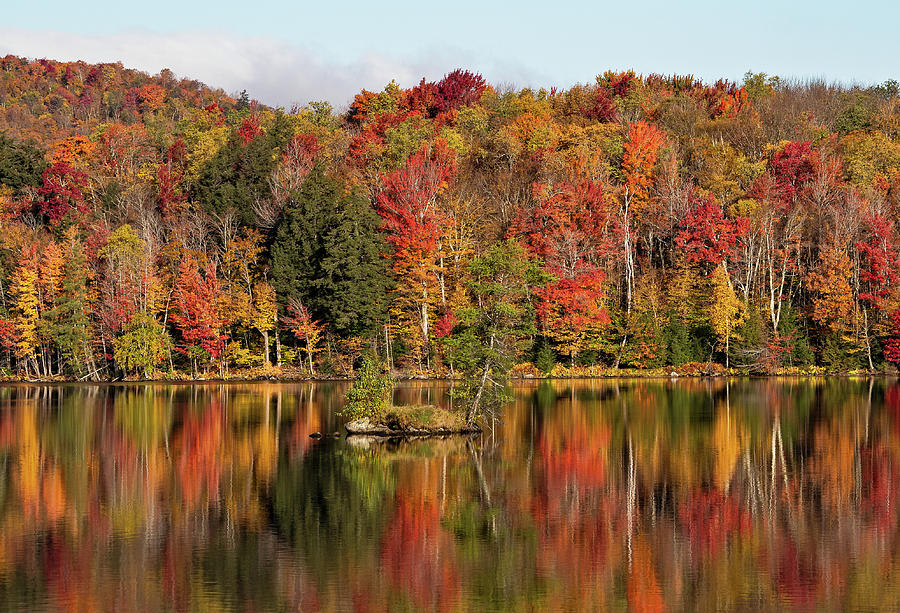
x: 624, y: 374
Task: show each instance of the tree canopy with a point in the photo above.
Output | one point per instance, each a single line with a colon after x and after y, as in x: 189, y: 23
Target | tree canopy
x: 675, y: 223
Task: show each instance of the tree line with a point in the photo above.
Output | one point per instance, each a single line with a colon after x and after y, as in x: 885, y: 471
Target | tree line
x: 153, y: 226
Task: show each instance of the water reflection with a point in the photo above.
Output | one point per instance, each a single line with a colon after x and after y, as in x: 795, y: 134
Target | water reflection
x: 589, y: 495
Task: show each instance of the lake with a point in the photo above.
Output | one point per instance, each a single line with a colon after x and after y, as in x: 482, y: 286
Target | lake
x: 593, y: 495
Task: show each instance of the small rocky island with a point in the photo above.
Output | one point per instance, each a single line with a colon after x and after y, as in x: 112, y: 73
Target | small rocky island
x: 425, y: 420
x: 371, y: 411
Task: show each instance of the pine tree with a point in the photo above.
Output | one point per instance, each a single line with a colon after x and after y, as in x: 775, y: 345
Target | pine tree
x: 21, y: 165
x: 328, y: 254
x: 237, y: 175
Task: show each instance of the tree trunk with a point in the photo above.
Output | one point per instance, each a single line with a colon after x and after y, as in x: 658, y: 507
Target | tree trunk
x: 440, y: 277
x: 389, y: 353
x: 277, y: 345
x: 476, y: 402
x: 309, y: 353
x: 727, y: 338
x: 425, y: 340
x: 621, y: 349
x: 868, y: 339
x: 629, y: 252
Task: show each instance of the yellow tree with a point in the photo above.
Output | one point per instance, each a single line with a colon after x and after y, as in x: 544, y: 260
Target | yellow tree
x: 25, y: 292
x: 649, y: 318
x: 686, y: 311
x: 265, y: 313
x: 50, y: 273
x: 241, y: 274
x: 682, y: 291
x: 727, y: 310
x: 205, y: 132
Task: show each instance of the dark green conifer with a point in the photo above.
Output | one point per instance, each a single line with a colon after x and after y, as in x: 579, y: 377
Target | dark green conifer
x: 21, y: 164
x: 328, y: 252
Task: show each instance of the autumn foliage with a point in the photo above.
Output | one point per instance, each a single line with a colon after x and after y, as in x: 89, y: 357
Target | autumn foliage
x: 749, y: 224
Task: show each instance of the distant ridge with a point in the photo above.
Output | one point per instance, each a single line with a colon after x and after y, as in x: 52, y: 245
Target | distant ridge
x: 45, y: 101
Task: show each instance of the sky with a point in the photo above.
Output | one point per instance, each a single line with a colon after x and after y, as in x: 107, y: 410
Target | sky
x: 286, y: 53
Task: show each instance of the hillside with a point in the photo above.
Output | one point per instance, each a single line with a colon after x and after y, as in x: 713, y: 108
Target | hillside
x: 46, y: 101
x: 154, y: 225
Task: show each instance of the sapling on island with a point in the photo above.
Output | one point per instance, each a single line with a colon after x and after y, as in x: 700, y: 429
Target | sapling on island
x: 371, y: 411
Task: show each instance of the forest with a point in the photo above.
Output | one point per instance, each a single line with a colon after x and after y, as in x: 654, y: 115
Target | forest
x: 155, y: 227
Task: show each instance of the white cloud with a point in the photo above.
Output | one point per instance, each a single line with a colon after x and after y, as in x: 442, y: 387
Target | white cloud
x: 272, y: 71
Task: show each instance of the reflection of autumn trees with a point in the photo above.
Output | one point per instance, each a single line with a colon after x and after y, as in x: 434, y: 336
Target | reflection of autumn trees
x: 571, y: 507
x: 200, y: 454
x: 709, y: 519
x: 879, y: 487
x: 307, y: 422
x: 643, y: 590
x: 124, y: 498
x: 418, y: 554
x: 612, y: 495
x: 765, y: 487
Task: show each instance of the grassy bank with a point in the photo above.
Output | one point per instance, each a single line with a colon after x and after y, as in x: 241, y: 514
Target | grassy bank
x: 526, y: 371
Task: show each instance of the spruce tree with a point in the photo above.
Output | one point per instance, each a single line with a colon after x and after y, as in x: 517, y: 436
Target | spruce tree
x: 238, y: 175
x: 328, y: 253
x: 21, y: 164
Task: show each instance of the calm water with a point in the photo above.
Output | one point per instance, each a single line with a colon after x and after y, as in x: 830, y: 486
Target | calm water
x: 588, y: 496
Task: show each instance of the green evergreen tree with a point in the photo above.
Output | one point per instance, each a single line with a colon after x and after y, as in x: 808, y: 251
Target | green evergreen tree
x: 749, y: 341
x: 21, y: 164
x: 839, y: 354
x: 687, y: 343
x: 789, y: 327
x: 545, y: 357
x: 328, y: 254
x: 238, y: 175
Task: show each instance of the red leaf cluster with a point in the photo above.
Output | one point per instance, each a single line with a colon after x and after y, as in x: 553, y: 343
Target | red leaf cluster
x: 708, y: 236
x: 62, y: 191
x: 892, y: 344
x: 880, y: 261
x: 602, y: 108
x: 573, y: 304
x: 250, y: 129
x: 406, y: 203
x: 197, y: 317
x: 570, y: 227
x: 791, y: 168
x: 169, y: 177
